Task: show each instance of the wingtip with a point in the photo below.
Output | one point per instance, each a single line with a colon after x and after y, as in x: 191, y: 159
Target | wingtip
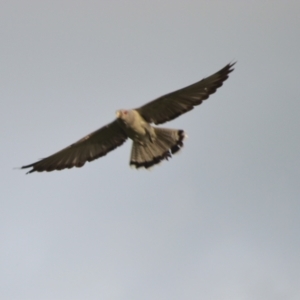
x: 28, y: 166
x: 231, y: 64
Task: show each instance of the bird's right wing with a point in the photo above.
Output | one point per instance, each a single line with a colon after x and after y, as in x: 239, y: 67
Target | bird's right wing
x: 92, y: 146
x: 172, y: 105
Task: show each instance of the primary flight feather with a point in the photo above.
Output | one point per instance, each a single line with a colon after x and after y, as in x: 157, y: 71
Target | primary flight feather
x: 151, y: 144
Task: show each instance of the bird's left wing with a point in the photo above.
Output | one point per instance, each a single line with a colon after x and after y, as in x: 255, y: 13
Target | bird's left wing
x: 172, y: 105
x: 92, y: 146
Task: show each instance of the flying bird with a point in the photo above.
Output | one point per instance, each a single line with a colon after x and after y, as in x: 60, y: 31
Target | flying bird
x: 151, y: 144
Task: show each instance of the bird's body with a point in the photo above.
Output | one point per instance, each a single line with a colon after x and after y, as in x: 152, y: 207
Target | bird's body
x: 151, y: 144
x: 135, y: 126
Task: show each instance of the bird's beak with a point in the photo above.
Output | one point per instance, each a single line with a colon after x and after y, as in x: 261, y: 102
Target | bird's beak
x: 118, y: 114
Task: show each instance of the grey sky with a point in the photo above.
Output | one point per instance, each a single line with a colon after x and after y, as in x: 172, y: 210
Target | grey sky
x: 221, y: 220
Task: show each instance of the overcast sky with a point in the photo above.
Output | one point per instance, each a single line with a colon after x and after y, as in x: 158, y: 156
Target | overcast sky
x: 221, y: 220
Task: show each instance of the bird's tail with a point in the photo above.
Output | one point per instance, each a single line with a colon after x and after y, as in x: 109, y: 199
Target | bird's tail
x: 166, y: 142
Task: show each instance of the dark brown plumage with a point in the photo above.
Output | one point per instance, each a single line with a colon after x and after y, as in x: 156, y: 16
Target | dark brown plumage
x: 172, y: 105
x: 150, y: 144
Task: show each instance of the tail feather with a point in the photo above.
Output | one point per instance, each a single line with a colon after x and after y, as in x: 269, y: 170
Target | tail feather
x: 166, y: 143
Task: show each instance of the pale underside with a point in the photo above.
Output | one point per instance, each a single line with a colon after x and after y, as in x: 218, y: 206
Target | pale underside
x: 158, y: 144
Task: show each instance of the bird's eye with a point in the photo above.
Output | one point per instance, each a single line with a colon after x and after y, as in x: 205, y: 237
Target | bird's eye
x: 125, y: 112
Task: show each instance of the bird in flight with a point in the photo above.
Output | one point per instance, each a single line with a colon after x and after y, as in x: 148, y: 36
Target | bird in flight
x: 151, y: 144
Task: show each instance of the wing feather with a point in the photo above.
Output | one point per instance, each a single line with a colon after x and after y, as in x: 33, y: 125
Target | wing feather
x: 172, y: 105
x: 92, y: 146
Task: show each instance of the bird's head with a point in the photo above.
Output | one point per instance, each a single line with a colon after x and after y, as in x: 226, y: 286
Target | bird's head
x: 122, y: 114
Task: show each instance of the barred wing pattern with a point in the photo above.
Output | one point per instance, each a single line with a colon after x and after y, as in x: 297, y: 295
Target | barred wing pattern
x: 92, y: 146
x: 172, y: 105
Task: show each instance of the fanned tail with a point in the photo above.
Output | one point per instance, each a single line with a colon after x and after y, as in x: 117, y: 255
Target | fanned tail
x: 166, y: 143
